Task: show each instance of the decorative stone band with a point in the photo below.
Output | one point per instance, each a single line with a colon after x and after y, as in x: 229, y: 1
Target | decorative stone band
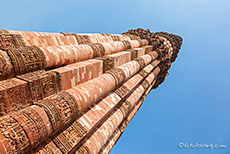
x: 23, y: 130
x: 141, y: 62
x: 125, y: 107
x: 143, y: 73
x: 4, y: 31
x: 118, y: 75
x: 115, y: 38
x: 42, y: 84
x: 61, y: 108
x: 98, y: 49
x: 83, y: 150
x: 153, y: 54
x: 127, y: 44
x: 49, y: 147
x: 122, y: 91
x: 143, y: 42
x: 123, y: 125
x: 133, y: 37
x: 6, y: 67
x: 74, y: 34
x: 85, y: 39
x: 145, y: 84
x: 156, y: 71
x: 155, y: 63
x: 11, y: 41
x: 66, y: 140
x: 175, y: 42
x: 134, y: 54
x: 26, y: 59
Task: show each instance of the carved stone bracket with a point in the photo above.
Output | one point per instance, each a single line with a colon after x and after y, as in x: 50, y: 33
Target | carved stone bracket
x: 134, y: 54
x: 42, y: 84
x: 108, y: 62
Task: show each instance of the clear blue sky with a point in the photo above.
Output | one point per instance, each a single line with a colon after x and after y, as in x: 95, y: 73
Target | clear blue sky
x: 193, y: 104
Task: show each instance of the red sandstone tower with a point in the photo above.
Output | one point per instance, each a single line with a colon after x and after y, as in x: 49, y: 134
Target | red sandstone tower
x: 76, y: 93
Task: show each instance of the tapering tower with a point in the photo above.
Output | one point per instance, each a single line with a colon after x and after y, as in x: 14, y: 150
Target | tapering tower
x: 76, y: 93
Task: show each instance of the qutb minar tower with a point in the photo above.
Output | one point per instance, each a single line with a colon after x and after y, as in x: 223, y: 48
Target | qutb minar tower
x: 76, y: 93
